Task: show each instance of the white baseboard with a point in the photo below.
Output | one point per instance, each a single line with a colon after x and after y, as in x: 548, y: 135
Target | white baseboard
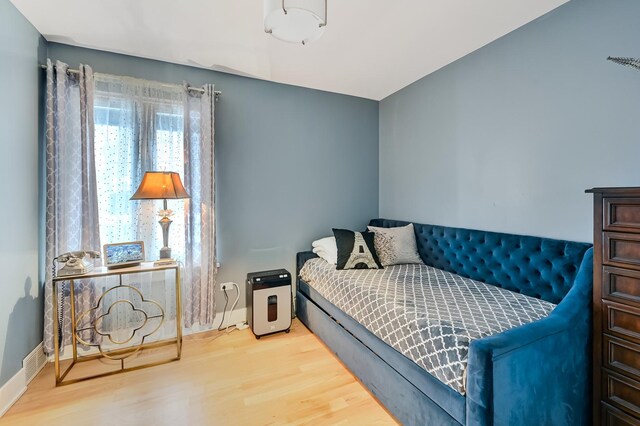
x: 231, y: 318
x: 11, y: 391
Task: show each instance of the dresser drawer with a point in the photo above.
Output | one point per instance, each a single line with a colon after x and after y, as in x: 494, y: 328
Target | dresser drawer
x: 613, y: 417
x: 621, y: 249
x: 621, y: 214
x: 621, y: 392
x: 621, y: 320
x: 621, y: 285
x: 621, y: 356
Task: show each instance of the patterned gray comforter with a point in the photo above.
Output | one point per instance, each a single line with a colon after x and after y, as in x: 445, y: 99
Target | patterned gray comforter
x: 428, y: 315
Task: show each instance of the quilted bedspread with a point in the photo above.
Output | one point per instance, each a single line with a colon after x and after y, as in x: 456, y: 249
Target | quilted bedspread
x: 427, y: 314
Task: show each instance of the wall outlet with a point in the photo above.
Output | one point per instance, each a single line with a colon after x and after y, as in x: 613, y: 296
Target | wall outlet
x: 226, y: 286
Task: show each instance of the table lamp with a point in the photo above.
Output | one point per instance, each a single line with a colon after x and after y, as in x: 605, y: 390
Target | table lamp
x: 162, y: 186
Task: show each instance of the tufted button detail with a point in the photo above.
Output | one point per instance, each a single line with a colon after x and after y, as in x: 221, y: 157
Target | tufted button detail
x: 537, y: 267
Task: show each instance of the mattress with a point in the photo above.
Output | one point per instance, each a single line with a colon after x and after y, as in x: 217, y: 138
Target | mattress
x: 429, y: 315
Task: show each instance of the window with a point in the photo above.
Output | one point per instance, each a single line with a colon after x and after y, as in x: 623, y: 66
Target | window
x: 135, y: 133
x: 138, y: 126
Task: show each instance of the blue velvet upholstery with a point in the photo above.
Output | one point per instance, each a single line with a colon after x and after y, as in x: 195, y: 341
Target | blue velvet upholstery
x: 537, y: 374
x: 539, y: 267
x: 540, y: 373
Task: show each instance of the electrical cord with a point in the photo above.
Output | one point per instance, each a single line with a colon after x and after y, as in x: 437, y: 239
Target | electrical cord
x: 224, y: 310
x: 235, y: 303
x: 233, y: 306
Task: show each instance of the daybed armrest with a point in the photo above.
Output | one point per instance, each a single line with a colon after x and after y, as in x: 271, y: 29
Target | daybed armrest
x: 538, y: 373
x: 301, y: 258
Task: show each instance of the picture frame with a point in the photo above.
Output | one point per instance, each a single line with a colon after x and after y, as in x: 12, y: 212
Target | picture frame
x: 121, y: 255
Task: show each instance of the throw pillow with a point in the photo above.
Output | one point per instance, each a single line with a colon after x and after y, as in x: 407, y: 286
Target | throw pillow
x: 356, y: 250
x: 396, y: 246
x: 326, y: 248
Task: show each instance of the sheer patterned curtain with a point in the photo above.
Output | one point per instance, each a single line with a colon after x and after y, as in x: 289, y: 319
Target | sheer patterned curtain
x: 200, y: 255
x: 139, y: 128
x: 149, y: 126
x: 71, y: 193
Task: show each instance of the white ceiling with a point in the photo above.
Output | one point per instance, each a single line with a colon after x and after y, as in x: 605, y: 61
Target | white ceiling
x: 371, y: 48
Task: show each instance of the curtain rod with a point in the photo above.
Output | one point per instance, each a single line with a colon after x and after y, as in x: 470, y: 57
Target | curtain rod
x: 217, y: 93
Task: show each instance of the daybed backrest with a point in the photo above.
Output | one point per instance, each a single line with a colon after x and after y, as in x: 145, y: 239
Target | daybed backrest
x: 539, y: 267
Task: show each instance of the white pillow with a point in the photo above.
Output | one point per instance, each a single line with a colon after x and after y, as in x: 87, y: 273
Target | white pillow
x: 326, y: 256
x: 326, y: 244
x: 396, y: 246
x: 327, y: 249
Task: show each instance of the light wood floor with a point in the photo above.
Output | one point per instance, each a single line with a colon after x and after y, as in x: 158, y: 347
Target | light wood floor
x: 222, y: 379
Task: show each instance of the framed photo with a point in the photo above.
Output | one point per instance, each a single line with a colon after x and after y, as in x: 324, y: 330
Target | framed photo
x: 121, y: 255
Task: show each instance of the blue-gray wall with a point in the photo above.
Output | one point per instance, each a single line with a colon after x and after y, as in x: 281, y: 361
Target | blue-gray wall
x: 290, y: 162
x: 20, y: 113
x: 509, y: 137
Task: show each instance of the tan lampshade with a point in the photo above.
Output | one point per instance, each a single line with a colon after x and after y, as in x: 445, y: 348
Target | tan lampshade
x: 160, y: 185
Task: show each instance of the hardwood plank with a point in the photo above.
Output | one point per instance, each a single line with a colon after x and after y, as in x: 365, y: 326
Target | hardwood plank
x: 222, y: 379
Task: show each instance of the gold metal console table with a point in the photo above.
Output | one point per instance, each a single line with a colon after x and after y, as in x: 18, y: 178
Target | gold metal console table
x: 91, y: 321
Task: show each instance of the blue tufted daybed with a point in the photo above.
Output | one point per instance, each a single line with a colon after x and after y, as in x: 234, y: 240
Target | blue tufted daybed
x: 535, y: 374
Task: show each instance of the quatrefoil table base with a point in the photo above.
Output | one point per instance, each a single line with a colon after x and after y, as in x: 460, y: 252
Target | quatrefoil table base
x: 91, y: 321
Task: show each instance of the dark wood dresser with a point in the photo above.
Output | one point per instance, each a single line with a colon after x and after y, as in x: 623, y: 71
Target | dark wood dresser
x: 616, y: 306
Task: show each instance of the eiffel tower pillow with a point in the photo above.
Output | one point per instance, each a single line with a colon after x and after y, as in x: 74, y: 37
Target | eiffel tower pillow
x: 356, y: 250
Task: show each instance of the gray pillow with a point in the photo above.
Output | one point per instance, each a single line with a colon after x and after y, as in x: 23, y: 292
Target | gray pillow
x: 396, y: 246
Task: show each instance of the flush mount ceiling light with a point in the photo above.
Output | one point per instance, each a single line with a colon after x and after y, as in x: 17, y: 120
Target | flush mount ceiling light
x: 295, y: 21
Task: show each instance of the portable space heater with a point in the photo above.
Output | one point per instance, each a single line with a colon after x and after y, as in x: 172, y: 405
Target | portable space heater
x: 269, y: 302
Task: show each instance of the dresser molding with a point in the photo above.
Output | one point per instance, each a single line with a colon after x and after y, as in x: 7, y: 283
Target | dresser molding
x: 616, y: 306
